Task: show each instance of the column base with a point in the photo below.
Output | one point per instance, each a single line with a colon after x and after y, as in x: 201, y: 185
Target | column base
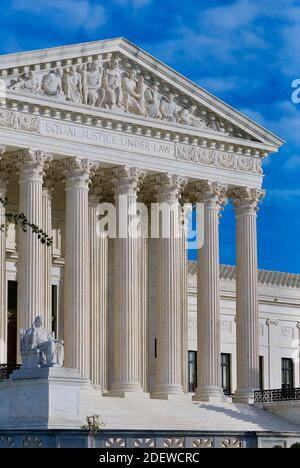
x: 126, y: 391
x: 210, y: 395
x: 245, y: 397
x: 167, y: 392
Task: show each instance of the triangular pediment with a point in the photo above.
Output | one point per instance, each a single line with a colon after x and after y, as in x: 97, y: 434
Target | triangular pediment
x: 118, y: 77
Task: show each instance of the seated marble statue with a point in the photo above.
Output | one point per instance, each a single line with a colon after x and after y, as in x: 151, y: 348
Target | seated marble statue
x: 39, y: 348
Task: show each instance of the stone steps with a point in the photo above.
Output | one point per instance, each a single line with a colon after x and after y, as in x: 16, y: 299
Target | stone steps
x: 183, y: 414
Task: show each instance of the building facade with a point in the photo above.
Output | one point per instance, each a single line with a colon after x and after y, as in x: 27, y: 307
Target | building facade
x: 85, y: 125
x: 278, y: 306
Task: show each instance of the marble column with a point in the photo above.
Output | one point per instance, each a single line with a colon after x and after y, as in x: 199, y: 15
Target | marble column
x: 208, y: 309
x: 30, y: 249
x: 169, y: 305
x: 98, y: 297
x: 183, y: 290
x: 246, y: 204
x: 47, y: 254
x: 143, y: 296
x: 3, y: 283
x: 127, y: 311
x: 76, y: 294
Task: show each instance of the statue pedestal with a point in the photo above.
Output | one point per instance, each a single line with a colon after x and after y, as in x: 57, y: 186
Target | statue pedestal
x: 45, y: 398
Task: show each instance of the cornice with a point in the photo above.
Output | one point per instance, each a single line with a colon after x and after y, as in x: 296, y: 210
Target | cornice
x: 84, y: 114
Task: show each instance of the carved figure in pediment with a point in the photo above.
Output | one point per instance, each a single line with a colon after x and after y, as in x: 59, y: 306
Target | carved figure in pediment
x: 188, y: 117
x: 132, y: 98
x: 168, y: 108
x: 114, y: 84
x: 152, y: 103
x: 52, y: 83
x: 27, y: 82
x: 71, y: 85
x: 214, y: 124
x: 91, y: 76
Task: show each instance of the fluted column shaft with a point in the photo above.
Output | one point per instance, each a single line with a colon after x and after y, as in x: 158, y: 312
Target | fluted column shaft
x: 208, y: 308
x: 76, y: 295
x: 30, y: 248
x: 246, y: 202
x: 184, y: 303
x: 127, y: 317
x: 98, y: 297
x: 3, y: 285
x: 143, y: 295
x: 169, y: 305
x: 47, y: 257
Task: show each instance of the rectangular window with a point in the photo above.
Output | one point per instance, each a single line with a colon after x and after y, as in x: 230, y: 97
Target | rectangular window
x: 287, y: 366
x: 226, y: 373
x: 261, y: 373
x: 192, y: 371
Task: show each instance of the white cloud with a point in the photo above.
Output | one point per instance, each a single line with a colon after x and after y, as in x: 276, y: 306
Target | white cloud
x: 230, y: 17
x: 293, y: 163
x: 67, y: 13
x: 291, y: 195
x: 134, y: 3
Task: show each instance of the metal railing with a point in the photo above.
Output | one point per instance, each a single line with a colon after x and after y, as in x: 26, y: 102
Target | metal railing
x: 277, y: 396
x: 7, y: 369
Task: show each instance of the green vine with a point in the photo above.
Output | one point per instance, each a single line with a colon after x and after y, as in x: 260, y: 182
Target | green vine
x: 21, y: 220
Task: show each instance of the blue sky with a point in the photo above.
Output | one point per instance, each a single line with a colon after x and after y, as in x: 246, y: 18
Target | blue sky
x: 246, y: 52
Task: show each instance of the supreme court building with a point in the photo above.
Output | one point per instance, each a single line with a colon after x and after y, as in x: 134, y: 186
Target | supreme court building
x: 99, y: 122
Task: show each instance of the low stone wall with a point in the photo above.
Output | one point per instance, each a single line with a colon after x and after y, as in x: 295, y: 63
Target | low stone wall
x: 131, y: 439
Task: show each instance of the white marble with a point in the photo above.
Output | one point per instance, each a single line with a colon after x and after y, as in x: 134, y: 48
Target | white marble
x: 208, y: 315
x: 47, y: 254
x: 76, y: 310
x: 113, y: 118
x: 246, y: 203
x: 127, y: 310
x: 3, y: 295
x: 51, y: 399
x: 31, y: 165
x: 169, y: 302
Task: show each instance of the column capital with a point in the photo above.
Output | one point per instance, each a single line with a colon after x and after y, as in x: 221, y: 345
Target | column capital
x: 78, y: 172
x: 32, y: 163
x: 169, y: 187
x: 210, y: 192
x: 126, y: 180
x: 246, y: 199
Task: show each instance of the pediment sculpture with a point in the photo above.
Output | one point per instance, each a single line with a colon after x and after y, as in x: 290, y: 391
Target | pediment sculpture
x: 39, y: 348
x: 116, y: 85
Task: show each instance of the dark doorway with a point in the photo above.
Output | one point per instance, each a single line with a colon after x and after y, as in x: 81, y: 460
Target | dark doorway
x: 12, y: 304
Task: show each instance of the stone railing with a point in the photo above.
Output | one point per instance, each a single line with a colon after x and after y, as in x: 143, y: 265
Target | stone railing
x: 7, y: 369
x: 277, y: 396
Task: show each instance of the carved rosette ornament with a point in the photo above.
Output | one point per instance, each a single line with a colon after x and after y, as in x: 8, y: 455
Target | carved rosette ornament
x: 270, y: 322
x: 218, y: 158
